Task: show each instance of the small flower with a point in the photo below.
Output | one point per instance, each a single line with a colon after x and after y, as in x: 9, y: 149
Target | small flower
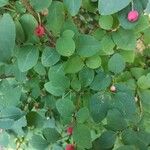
x: 133, y: 16
x: 69, y: 130
x: 113, y: 88
x: 70, y: 147
x: 39, y: 31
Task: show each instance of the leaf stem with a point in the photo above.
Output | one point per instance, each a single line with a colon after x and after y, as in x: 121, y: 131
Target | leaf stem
x: 9, y: 9
x: 132, y: 5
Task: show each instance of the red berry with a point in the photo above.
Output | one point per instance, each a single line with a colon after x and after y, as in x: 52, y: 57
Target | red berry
x: 70, y: 147
x: 133, y: 16
x: 39, y: 31
x: 69, y: 130
x: 113, y: 88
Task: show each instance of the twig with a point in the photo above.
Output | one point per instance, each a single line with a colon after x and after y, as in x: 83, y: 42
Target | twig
x: 5, y: 77
x: 29, y: 8
x: 52, y: 42
x: 9, y: 9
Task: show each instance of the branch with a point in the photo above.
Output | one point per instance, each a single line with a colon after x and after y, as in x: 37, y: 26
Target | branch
x: 29, y: 8
x: 5, y: 77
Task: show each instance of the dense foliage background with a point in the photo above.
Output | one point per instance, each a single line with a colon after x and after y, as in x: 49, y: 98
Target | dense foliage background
x: 74, y: 72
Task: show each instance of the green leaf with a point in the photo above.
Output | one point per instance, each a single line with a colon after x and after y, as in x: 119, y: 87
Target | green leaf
x: 7, y: 37
x: 39, y: 68
x: 3, y: 3
x: 38, y: 142
x: 87, y: 46
x: 18, y: 126
x: 82, y: 115
x: 128, y: 56
x: 99, y: 106
x: 49, y: 57
x: 68, y: 33
x: 144, y: 137
x: 65, y: 46
x: 50, y: 101
x: 82, y: 136
x: 144, y: 97
x: 29, y: 23
x: 12, y: 69
x: 101, y: 81
x: 144, y: 81
x: 130, y: 137
x: 57, y: 147
x: 147, y: 10
x: 27, y: 57
x: 73, y: 6
x: 11, y: 113
x: 58, y: 68
x: 6, y: 123
x: 106, y: 22
x: 51, y: 135
x: 142, y: 25
x: 124, y: 39
x: 58, y: 84
x: 146, y: 36
x: 125, y: 103
x: 116, y: 63
x: 34, y: 119
x: 10, y: 95
x: 86, y: 76
x: 107, y: 45
x: 93, y: 62
x: 8, y: 116
x: 112, y: 7
x: 146, y: 121
x: 65, y: 107
x: 70, y: 25
x: 105, y: 141
x: 73, y: 65
x: 40, y: 5
x: 126, y: 147
x: 115, y: 120
x: 99, y: 34
x: 137, y: 72
x: 20, y: 35
x: 4, y: 138
x: 56, y: 17
x: 89, y: 5
x: 75, y: 84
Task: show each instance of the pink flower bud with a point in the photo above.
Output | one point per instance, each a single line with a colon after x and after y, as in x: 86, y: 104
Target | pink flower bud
x: 70, y: 147
x: 133, y: 16
x: 39, y: 31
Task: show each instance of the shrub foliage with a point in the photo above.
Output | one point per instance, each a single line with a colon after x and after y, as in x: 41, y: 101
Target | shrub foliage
x: 75, y: 74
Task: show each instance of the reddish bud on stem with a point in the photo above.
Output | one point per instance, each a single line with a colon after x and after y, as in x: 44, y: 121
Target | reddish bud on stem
x: 39, y: 31
x: 69, y: 130
x: 133, y: 16
x: 70, y: 147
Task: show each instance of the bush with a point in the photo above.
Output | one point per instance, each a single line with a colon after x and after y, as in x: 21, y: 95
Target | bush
x: 75, y: 74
